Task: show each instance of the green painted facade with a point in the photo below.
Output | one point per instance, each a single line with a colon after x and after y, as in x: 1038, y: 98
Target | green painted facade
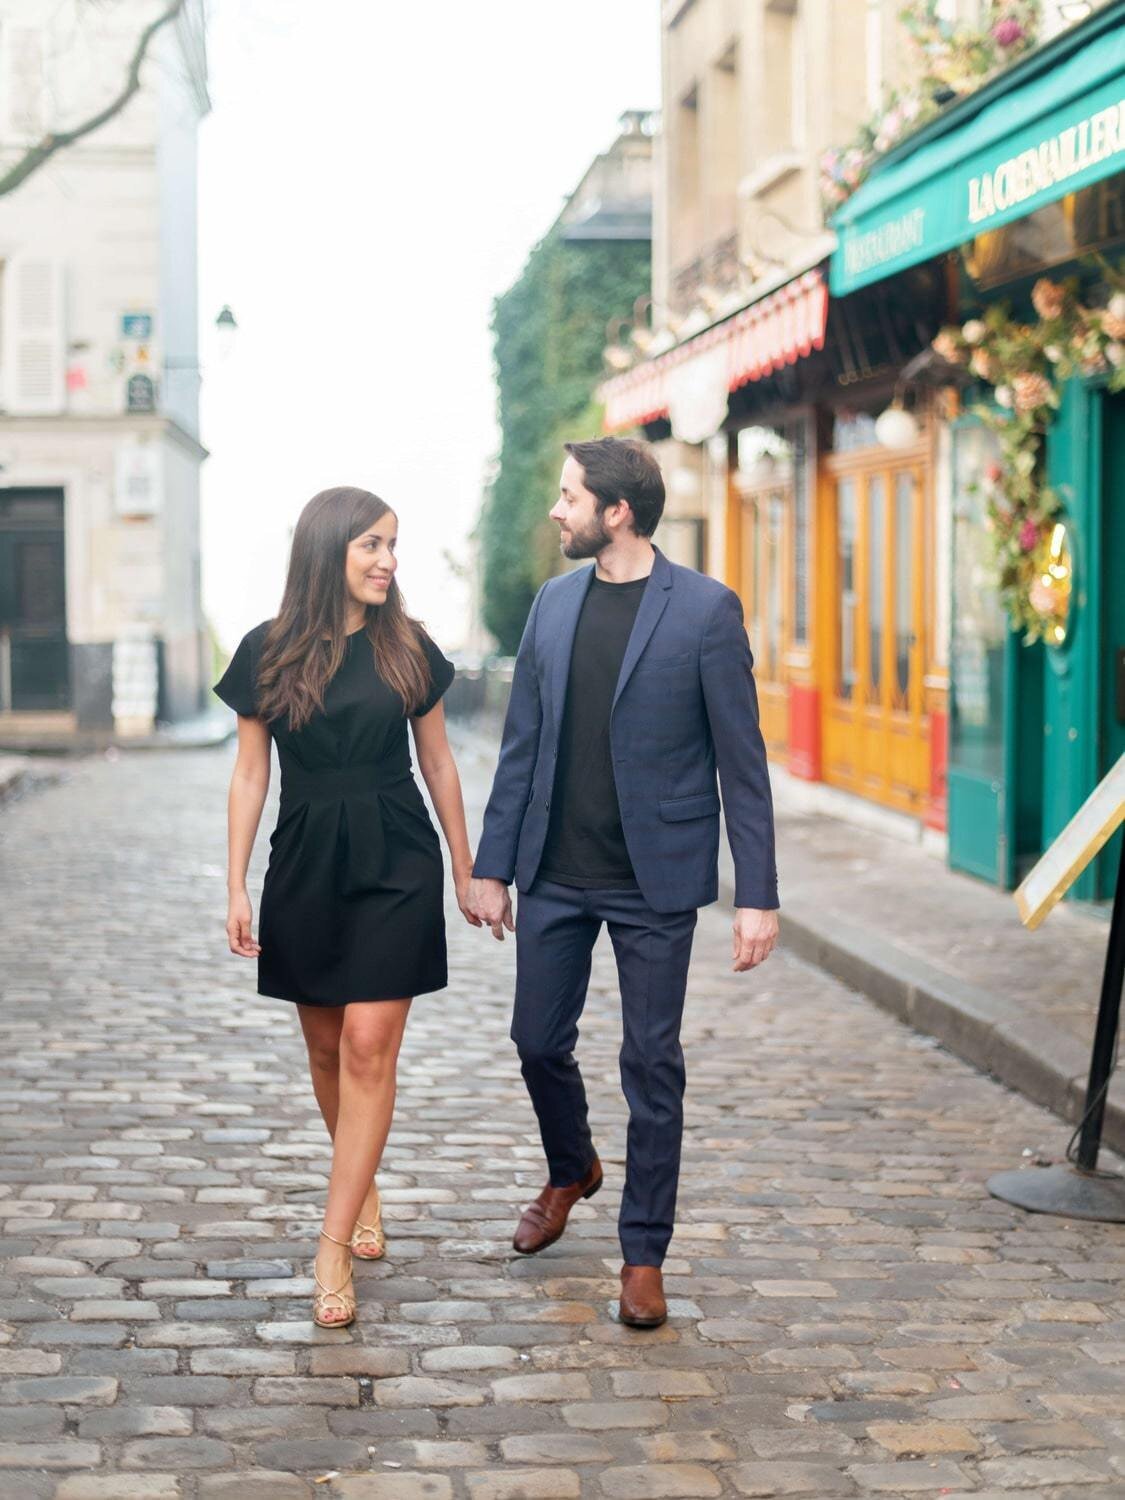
x: 1055, y: 720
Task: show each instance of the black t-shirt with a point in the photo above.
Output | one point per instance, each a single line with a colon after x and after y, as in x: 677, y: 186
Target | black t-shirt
x: 585, y: 844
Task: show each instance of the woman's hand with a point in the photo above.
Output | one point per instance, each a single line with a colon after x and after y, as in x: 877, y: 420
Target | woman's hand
x: 240, y: 926
x: 461, y: 881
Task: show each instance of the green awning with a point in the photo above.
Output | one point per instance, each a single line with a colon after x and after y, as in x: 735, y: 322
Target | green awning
x: 1051, y: 124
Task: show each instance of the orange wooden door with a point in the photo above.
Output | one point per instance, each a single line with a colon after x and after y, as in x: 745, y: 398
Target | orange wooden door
x: 767, y: 541
x: 873, y: 530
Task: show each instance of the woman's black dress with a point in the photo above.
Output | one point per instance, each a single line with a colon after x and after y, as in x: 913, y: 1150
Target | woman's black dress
x: 352, y: 900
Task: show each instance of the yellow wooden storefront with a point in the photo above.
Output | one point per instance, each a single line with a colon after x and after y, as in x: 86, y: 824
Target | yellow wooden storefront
x: 875, y: 579
x: 838, y: 599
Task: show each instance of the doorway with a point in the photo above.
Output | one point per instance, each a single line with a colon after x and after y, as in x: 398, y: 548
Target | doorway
x: 875, y: 730
x: 34, y: 653
x: 766, y: 542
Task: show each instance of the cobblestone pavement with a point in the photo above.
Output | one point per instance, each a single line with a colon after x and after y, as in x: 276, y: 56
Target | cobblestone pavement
x: 851, y: 1313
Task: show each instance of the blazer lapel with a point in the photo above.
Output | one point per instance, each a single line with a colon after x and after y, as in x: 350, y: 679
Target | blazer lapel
x: 652, y: 606
x: 566, y: 623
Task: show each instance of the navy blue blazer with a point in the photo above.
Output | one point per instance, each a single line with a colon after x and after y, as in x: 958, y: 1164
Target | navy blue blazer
x: 685, y: 707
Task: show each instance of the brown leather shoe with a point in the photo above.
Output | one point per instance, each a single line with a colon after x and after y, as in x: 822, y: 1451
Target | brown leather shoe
x: 642, y: 1297
x: 544, y: 1219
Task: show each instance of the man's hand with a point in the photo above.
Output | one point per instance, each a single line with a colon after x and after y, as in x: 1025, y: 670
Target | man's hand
x: 755, y: 937
x: 493, y: 905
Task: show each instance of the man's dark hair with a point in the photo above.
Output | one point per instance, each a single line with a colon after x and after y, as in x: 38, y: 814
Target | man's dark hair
x: 622, y: 469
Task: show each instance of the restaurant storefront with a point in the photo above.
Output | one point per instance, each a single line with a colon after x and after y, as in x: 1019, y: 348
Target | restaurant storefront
x: 825, y: 532
x: 757, y: 480
x: 1019, y: 182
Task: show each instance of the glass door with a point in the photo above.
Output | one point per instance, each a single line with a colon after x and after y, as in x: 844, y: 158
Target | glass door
x: 876, y: 734
x: 766, y: 538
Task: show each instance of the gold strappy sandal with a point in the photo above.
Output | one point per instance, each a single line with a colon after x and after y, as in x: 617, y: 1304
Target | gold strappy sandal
x: 376, y: 1247
x: 326, y: 1296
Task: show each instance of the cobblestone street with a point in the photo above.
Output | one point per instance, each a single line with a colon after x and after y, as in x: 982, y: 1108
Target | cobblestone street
x: 851, y: 1313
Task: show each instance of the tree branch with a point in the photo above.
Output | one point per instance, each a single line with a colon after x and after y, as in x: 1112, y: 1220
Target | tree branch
x: 43, y: 150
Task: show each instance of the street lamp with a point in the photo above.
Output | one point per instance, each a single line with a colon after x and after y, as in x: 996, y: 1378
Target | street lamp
x: 226, y: 330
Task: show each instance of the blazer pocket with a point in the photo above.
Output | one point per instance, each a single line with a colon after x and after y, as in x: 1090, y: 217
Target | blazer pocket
x: 681, y: 659
x: 680, y: 809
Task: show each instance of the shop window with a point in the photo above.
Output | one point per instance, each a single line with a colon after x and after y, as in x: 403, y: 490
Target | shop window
x: 874, y: 52
x: 686, y: 202
x: 846, y: 517
x: 851, y: 430
x: 904, y: 547
x: 722, y: 158
x: 775, y: 525
x: 782, y: 118
x: 876, y: 587
x: 802, y: 521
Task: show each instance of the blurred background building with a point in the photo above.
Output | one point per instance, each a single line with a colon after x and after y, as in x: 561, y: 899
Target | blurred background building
x: 593, y: 265
x: 101, y: 626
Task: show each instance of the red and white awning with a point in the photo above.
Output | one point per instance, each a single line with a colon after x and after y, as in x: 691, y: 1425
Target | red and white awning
x: 780, y: 329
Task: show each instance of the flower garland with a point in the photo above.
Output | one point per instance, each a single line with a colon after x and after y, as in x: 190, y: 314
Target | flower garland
x: 953, y: 59
x: 1026, y: 363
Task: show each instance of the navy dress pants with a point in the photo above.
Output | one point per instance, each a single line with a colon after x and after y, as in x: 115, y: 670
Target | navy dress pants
x: 556, y: 928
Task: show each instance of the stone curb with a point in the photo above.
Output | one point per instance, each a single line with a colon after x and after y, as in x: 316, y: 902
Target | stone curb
x: 988, y: 1030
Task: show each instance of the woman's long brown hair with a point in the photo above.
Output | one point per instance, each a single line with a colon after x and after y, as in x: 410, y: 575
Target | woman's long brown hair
x: 304, y: 646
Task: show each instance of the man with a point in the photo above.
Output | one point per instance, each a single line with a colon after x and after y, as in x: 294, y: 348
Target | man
x: 632, y: 686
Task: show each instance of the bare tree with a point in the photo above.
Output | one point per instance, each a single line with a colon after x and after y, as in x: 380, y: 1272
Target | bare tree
x: 55, y: 141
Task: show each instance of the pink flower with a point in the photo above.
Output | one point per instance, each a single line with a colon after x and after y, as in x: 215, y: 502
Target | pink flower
x: 1007, y: 32
x: 1029, y: 535
x: 993, y: 472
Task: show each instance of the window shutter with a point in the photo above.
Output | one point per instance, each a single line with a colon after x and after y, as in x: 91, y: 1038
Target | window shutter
x: 34, y: 336
x: 23, y: 83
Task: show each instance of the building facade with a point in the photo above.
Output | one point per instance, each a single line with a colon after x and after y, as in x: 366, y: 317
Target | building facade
x: 809, y: 427
x: 101, y: 626
x: 764, y: 394
x: 1019, y: 190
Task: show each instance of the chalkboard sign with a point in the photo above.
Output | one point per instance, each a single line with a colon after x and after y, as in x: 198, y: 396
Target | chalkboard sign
x: 1091, y: 828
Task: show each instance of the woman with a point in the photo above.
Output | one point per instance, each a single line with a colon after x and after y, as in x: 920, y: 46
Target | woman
x: 352, y: 924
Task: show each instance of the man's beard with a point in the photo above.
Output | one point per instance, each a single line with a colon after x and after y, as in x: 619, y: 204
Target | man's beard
x: 587, y: 543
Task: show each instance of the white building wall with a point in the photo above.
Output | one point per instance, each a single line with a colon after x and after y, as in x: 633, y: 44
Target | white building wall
x: 114, y: 218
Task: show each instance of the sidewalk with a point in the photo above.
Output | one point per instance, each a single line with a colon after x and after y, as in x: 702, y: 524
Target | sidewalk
x: 212, y: 727
x: 945, y: 953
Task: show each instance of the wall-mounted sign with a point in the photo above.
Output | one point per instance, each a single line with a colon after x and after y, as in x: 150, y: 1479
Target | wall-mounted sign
x: 1058, y: 127
x: 137, y: 489
x: 140, y: 393
x: 136, y: 325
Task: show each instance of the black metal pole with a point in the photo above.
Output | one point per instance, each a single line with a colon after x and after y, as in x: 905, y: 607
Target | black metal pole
x: 1105, y: 1034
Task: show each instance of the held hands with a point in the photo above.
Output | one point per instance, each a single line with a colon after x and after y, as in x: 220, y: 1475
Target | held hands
x: 755, y: 937
x: 491, y: 903
x: 240, y: 926
x: 462, y: 882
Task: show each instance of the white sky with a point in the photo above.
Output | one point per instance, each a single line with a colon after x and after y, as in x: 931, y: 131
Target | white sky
x: 371, y: 176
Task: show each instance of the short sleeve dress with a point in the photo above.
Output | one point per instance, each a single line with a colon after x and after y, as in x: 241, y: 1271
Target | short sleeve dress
x: 352, y: 902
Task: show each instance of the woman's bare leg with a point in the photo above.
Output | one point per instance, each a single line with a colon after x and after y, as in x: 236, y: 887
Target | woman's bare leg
x: 370, y: 1038
x: 322, y: 1026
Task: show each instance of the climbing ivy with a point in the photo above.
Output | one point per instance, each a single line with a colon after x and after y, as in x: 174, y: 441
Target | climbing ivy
x: 549, y: 331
